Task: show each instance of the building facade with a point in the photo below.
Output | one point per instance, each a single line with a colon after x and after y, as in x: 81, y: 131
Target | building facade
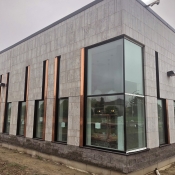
x: 93, y: 88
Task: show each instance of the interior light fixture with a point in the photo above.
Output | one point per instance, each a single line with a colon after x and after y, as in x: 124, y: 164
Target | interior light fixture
x: 170, y: 73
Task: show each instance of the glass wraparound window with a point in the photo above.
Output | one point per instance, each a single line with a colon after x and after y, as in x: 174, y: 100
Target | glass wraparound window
x: 115, y: 113
x: 21, y: 118
x: 7, y: 118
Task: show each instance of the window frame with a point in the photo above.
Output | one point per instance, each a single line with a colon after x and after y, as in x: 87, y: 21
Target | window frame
x: 19, y: 117
x: 56, y: 102
x: 85, y: 96
x: 26, y: 84
x: 44, y: 99
x: 6, y: 118
x: 165, y: 120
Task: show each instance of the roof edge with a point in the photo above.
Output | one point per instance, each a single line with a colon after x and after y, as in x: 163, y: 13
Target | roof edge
x: 156, y: 15
x: 53, y: 24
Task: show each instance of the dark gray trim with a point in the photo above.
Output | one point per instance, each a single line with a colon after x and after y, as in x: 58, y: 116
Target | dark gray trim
x: 156, y: 15
x: 54, y: 24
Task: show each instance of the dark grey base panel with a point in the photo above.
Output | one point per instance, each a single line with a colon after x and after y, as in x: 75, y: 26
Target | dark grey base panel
x: 112, y: 161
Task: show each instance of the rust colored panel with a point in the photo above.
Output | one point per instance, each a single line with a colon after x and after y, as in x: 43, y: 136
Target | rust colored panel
x: 82, y: 97
x: 27, y: 97
x: 45, y: 98
x: 55, y: 97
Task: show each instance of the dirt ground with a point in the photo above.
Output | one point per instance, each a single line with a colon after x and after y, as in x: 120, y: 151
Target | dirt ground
x: 18, y: 163
x: 168, y: 171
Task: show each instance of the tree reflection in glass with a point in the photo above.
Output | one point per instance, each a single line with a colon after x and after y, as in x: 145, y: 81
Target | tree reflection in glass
x: 105, y: 122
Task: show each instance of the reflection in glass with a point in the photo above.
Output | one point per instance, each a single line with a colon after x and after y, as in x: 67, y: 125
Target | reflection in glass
x: 133, y: 68
x: 21, y: 120
x: 105, y: 122
x: 8, y: 116
x: 135, y: 122
x: 39, y: 119
x: 62, y: 120
x: 161, y: 122
x: 105, y: 69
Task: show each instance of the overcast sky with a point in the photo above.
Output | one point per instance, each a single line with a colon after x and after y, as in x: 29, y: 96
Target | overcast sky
x: 21, y: 18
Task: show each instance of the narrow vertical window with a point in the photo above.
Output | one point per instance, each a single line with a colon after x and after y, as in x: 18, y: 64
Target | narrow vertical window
x: 22, y: 107
x: 7, y: 112
x: 157, y: 74
x: 40, y: 107
x: 161, y: 109
x: 21, y: 118
x: 134, y: 97
x: 61, y: 108
x: 8, y: 117
x: 62, y: 122
x: 162, y: 121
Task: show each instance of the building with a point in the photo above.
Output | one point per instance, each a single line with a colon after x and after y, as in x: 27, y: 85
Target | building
x: 92, y: 89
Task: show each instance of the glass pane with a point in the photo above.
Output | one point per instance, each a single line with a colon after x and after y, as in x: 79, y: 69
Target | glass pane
x: 133, y: 68
x: 62, y: 120
x: 8, y: 116
x: 161, y: 122
x: 105, y: 122
x: 21, y: 120
x: 135, y: 122
x: 105, y: 69
x: 39, y: 119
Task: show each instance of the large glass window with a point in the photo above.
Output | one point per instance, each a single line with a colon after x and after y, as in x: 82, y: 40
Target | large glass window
x: 39, y: 117
x: 103, y: 63
x: 105, y: 122
x: 133, y: 68
x: 135, y: 122
x: 62, y: 122
x: 7, y: 118
x: 115, y: 113
x: 161, y: 121
x: 21, y: 118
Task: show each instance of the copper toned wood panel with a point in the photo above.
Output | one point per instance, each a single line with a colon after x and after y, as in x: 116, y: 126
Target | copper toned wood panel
x: 55, y: 97
x: 45, y: 97
x: 82, y: 97
x: 27, y: 98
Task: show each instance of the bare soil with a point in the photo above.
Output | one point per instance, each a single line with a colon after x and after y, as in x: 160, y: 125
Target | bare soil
x: 168, y: 171
x: 18, y: 163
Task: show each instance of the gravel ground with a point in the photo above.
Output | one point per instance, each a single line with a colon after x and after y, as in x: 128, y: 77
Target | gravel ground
x: 18, y: 163
x: 168, y: 171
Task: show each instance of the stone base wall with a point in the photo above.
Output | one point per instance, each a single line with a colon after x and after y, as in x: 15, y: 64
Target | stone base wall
x: 107, y: 160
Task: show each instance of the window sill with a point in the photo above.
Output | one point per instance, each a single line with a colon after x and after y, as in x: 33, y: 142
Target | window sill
x: 39, y: 139
x: 20, y: 136
x: 57, y: 142
x: 114, y: 151
x: 164, y: 145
